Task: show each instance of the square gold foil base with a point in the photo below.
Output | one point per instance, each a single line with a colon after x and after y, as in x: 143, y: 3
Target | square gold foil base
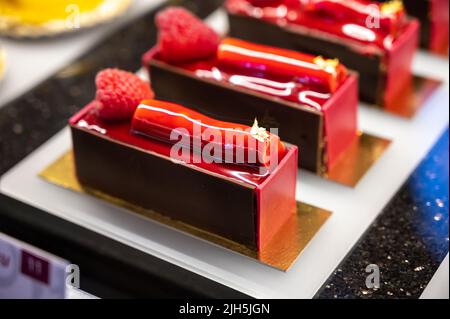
x: 280, y: 253
x: 357, y: 160
x: 414, y: 97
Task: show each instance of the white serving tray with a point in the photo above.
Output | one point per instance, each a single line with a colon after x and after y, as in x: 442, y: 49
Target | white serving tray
x: 353, y: 209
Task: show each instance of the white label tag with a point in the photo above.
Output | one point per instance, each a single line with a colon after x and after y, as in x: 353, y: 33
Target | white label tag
x: 28, y: 272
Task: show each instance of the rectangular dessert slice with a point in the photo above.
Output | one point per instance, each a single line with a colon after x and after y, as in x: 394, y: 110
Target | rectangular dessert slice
x: 434, y: 22
x: 243, y: 203
x: 376, y: 40
x: 312, y: 101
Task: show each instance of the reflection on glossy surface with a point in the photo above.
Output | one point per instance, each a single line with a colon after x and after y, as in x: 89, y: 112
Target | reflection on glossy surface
x: 359, y: 32
x: 263, y: 85
x: 289, y: 91
x: 280, y: 253
x: 285, y: 89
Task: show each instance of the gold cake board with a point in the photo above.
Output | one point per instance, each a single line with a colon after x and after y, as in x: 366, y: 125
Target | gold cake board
x: 366, y: 150
x: 357, y: 160
x: 412, y: 99
x: 280, y: 253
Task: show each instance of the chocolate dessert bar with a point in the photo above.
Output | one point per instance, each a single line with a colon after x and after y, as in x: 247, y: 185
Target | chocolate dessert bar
x: 375, y: 39
x: 132, y: 158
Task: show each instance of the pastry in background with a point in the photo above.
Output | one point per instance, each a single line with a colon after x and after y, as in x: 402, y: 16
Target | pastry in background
x: 2, y: 62
x: 30, y: 18
x: 378, y: 40
x: 434, y: 22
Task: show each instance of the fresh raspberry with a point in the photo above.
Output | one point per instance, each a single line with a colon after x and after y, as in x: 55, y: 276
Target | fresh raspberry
x: 183, y: 37
x: 119, y: 93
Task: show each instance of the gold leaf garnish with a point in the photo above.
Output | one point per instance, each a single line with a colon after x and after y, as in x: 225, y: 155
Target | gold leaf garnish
x: 259, y: 133
x: 392, y: 7
x: 328, y: 65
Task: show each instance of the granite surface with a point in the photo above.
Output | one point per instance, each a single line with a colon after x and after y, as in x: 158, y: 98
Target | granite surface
x: 407, y: 242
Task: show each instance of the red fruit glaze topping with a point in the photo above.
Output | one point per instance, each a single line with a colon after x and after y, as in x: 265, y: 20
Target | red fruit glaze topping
x: 309, y: 70
x: 119, y: 93
x: 362, y: 21
x: 255, y: 146
x: 183, y: 37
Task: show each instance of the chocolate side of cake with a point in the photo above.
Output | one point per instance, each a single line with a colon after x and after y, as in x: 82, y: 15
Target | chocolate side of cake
x: 370, y: 68
x: 299, y: 126
x: 200, y: 199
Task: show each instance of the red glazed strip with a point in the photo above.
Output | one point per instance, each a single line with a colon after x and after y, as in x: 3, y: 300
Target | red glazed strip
x: 390, y: 16
x: 159, y: 120
x: 307, y: 69
x: 366, y: 22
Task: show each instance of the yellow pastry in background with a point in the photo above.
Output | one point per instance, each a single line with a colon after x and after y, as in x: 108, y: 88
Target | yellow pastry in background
x: 34, y: 18
x: 2, y: 63
x: 37, y: 12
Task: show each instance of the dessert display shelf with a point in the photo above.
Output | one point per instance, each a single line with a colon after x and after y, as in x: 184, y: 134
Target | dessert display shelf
x: 354, y: 210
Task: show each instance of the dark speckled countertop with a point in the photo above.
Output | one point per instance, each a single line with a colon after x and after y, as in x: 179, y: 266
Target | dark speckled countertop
x: 408, y: 241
